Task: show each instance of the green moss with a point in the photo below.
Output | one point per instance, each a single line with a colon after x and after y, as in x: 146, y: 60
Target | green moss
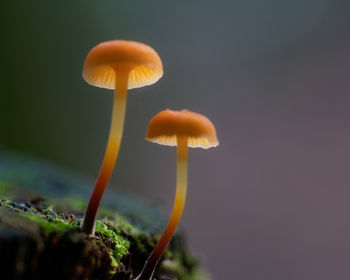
x: 50, y: 224
x: 47, y: 223
x: 120, y: 244
x: 5, y: 203
x: 119, y: 222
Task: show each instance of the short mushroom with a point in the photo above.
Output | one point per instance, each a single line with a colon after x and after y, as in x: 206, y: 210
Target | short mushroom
x: 182, y: 129
x: 119, y: 65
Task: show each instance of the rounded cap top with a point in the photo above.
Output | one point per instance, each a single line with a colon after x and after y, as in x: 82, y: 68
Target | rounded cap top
x: 105, y: 60
x: 167, y: 125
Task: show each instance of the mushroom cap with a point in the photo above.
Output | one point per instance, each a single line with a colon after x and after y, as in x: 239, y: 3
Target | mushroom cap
x: 167, y: 125
x: 105, y: 60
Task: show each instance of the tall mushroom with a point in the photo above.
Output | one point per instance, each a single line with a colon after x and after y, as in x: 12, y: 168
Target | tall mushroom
x: 119, y: 65
x: 182, y: 129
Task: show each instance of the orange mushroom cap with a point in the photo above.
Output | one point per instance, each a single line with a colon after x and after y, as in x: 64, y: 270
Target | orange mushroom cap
x: 167, y: 125
x: 104, y: 60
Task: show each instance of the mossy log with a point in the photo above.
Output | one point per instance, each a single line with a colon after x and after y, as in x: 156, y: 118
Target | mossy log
x: 41, y: 208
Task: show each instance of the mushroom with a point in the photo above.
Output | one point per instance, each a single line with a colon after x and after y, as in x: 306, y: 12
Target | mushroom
x: 119, y: 65
x: 182, y: 129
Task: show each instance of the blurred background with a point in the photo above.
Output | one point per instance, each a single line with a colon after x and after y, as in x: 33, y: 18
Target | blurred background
x: 272, y: 201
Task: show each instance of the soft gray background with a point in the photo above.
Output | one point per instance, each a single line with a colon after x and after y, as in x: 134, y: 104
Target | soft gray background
x: 272, y: 201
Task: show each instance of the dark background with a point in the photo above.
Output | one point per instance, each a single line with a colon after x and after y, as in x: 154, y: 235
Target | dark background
x: 272, y: 201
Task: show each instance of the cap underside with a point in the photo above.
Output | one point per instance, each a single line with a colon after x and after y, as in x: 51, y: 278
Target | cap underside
x: 193, y: 142
x: 105, y: 77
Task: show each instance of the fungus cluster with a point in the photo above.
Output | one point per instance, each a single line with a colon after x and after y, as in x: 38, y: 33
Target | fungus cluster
x: 123, y: 65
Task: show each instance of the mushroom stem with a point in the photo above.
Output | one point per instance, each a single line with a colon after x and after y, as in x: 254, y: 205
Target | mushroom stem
x: 111, y: 154
x: 180, y: 198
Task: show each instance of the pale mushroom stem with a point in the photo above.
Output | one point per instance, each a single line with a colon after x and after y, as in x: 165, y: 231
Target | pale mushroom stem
x: 111, y: 154
x: 180, y: 198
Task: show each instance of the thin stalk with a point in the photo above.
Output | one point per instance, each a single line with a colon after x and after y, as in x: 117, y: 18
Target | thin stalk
x: 180, y: 198
x: 112, y: 150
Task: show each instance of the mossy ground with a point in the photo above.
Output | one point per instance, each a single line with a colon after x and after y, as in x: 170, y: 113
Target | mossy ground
x: 118, y: 251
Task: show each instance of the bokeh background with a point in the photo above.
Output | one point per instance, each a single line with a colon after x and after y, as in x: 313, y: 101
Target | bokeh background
x: 272, y: 201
